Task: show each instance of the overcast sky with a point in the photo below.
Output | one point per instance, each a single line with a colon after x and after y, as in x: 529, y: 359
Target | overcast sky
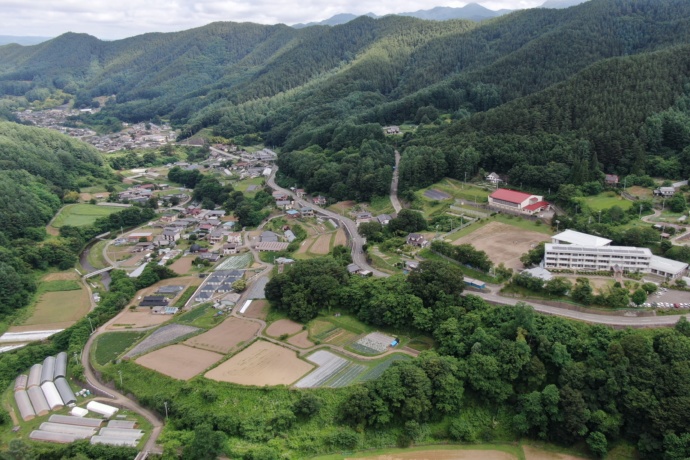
x: 113, y: 19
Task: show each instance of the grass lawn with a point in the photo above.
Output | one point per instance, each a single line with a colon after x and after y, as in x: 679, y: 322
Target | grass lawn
x: 606, y: 200
x: 79, y: 215
x: 524, y: 224
x: 244, y: 184
x: 381, y: 205
x: 95, y: 256
x: 203, y: 316
x: 58, y: 304
x: 112, y: 344
x: 467, y: 271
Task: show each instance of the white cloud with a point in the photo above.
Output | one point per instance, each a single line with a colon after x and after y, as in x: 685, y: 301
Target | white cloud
x: 112, y: 19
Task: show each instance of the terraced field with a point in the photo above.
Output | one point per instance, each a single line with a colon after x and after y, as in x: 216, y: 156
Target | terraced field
x: 162, y: 336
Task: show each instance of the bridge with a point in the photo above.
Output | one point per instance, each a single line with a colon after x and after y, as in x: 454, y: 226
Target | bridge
x: 98, y: 272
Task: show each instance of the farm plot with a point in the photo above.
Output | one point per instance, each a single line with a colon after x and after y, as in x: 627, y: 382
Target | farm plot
x: 183, y: 265
x: 236, y: 262
x: 57, y: 309
x: 373, y: 343
x: 436, y: 194
x: 283, y: 326
x: 503, y: 243
x: 262, y: 363
x: 110, y: 345
x: 328, y: 332
x: 136, y: 318
x: 301, y: 340
x: 160, y: 337
x: 340, y: 238
x: 384, y: 363
x: 329, y: 364
x: 179, y: 361
x: 322, y: 245
x: 223, y: 338
x: 257, y: 309
x: 78, y: 215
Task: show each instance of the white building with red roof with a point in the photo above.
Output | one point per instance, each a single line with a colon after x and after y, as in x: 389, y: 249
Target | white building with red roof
x: 518, y: 201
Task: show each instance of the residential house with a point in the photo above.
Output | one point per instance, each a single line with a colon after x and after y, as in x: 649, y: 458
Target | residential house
x: 154, y: 301
x: 290, y: 236
x: 168, y: 218
x: 493, y: 178
x: 215, y: 213
x: 135, y: 237
x: 362, y: 217
x: 210, y: 256
x: 415, y: 239
x: 235, y: 237
x: 278, y: 195
x: 292, y: 213
x: 299, y: 192
x: 320, y: 200
x: 171, y: 233
x: 216, y: 236
x: 611, y: 179
x: 384, y: 219
x: 391, y: 129
x: 665, y: 191
x: 231, y: 248
x: 284, y: 204
x: 307, y: 212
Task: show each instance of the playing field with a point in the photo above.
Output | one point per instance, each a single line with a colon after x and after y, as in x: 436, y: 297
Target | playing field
x: 179, y: 361
x: 503, y: 243
x: 226, y: 336
x: 263, y: 363
x: 283, y: 326
x: 79, y: 215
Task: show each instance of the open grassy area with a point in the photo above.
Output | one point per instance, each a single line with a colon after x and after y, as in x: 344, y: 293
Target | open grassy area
x: 95, y: 255
x: 110, y: 345
x: 381, y: 205
x: 606, y: 200
x: 203, y: 316
x: 244, y: 184
x: 471, y: 452
x: 79, y: 215
x: 524, y: 224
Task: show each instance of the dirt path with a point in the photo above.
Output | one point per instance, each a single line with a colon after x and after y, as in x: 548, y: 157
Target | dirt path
x: 394, y: 185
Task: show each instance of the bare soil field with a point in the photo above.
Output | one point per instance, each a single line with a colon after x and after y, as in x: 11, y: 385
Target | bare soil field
x: 61, y: 276
x: 263, y: 363
x: 226, y: 336
x: 283, y: 326
x: 182, y: 265
x: 640, y: 191
x: 532, y: 453
x: 503, y: 243
x: 442, y: 455
x: 340, y: 238
x: 258, y: 309
x: 301, y: 340
x: 322, y: 245
x: 306, y: 244
x: 179, y: 361
x: 141, y: 317
x: 133, y: 261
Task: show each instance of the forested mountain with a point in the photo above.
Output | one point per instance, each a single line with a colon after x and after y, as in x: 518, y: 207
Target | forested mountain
x: 585, y: 79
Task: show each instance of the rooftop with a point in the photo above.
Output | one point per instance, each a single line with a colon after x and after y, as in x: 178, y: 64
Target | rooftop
x: 511, y: 196
x: 622, y: 250
x: 667, y: 265
x: 580, y: 239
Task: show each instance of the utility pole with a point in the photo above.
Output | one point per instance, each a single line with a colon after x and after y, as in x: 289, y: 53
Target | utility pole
x: 640, y: 212
x: 165, y: 403
x: 600, y: 216
x: 90, y: 324
x: 558, y: 222
x: 120, y: 374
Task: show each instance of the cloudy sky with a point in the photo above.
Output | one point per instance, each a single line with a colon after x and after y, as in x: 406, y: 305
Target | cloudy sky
x: 113, y: 19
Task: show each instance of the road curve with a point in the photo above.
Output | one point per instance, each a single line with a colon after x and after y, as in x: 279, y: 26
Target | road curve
x: 394, y: 184
x: 356, y: 241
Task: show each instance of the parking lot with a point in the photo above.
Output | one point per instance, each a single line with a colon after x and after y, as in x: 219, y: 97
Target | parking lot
x: 667, y: 298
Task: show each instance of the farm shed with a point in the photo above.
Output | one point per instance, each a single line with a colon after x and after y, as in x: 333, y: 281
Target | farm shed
x: 38, y: 400
x: 62, y: 438
x: 52, y: 395
x: 48, y: 369
x: 69, y: 420
x: 475, y: 283
x: 24, y: 405
x: 60, y: 365
x: 103, y: 409
x: 78, y: 411
x: 65, y: 391
x: 34, y: 376
x: 20, y: 382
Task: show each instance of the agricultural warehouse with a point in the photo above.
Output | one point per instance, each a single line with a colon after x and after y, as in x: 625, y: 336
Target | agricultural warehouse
x: 518, y: 201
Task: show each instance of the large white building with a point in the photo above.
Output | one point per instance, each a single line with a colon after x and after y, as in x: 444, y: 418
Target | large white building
x: 518, y: 201
x: 571, y: 250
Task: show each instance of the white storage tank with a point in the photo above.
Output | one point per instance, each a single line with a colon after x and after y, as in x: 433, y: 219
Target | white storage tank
x: 38, y: 401
x: 48, y: 370
x: 52, y: 395
x: 25, y: 408
x: 60, y: 365
x: 100, y: 408
x: 34, y: 376
x: 65, y: 391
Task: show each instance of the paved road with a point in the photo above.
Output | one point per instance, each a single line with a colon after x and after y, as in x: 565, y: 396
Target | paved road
x: 394, y: 184
x: 356, y: 241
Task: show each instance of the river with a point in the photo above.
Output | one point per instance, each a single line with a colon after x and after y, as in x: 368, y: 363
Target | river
x: 84, y: 261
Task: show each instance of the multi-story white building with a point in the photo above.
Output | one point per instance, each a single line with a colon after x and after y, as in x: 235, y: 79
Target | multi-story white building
x: 571, y: 250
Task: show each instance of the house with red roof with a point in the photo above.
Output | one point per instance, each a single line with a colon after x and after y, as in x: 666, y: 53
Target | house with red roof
x: 518, y: 201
